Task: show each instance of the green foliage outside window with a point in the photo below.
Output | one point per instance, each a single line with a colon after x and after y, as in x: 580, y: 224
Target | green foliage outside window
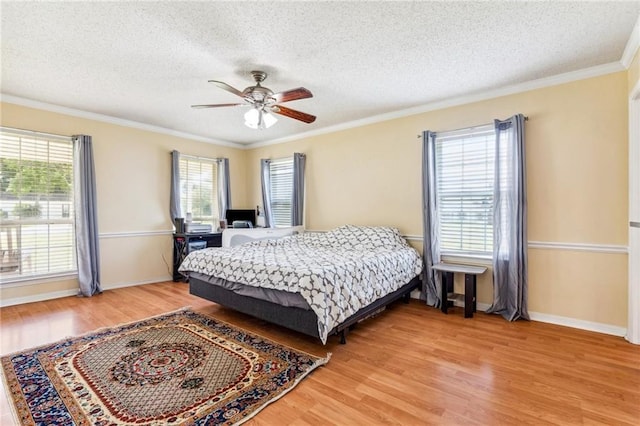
x: 30, y: 177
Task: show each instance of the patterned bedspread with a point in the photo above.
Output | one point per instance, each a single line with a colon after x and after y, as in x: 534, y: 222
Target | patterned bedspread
x: 336, y: 272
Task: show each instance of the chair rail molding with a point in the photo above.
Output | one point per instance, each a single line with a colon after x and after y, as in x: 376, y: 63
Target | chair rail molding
x: 597, y: 248
x: 131, y: 234
x: 554, y: 245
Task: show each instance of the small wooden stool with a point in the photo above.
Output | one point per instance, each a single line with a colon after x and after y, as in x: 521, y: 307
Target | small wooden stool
x: 470, y: 272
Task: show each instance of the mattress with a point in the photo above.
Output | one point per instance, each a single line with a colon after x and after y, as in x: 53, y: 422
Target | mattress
x: 337, y: 272
x: 281, y: 297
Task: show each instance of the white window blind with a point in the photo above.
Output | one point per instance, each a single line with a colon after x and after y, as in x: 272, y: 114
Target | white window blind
x: 281, y: 190
x: 464, y: 186
x: 199, y: 189
x: 36, y: 205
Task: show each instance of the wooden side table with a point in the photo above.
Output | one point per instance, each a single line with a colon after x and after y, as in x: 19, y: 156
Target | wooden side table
x: 470, y: 272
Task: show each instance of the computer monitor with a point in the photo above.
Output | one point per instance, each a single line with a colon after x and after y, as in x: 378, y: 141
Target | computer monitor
x: 239, y: 214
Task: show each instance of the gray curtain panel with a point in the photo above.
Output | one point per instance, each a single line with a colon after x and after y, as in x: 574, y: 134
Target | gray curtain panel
x: 224, y: 187
x: 297, y: 205
x: 174, y: 198
x: 265, y: 173
x: 510, y: 222
x: 431, y: 280
x: 86, y: 217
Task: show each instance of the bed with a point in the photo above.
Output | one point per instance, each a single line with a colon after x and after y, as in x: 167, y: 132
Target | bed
x: 319, y: 284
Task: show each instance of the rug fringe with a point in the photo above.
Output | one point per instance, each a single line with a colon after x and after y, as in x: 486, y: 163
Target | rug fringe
x: 319, y: 363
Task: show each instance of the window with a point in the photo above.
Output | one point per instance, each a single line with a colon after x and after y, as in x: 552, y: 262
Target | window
x: 36, y: 205
x: 281, y: 190
x: 199, y: 189
x: 464, y: 189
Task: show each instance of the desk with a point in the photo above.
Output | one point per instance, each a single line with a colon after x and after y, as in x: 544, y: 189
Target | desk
x: 183, y: 244
x: 470, y: 272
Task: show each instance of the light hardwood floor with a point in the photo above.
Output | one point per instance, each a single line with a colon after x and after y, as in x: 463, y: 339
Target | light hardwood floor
x: 411, y: 365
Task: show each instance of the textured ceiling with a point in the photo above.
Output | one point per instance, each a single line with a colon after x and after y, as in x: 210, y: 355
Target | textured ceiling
x: 149, y: 61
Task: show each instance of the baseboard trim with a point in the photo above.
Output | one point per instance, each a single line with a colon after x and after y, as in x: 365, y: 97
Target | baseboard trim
x: 123, y: 284
x: 563, y: 321
x: 569, y: 322
x: 38, y: 297
x: 73, y: 292
x: 581, y: 324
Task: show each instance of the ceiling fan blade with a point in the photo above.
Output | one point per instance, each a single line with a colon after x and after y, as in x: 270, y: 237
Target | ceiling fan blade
x: 292, y: 113
x: 216, y: 105
x: 292, y: 95
x: 226, y: 87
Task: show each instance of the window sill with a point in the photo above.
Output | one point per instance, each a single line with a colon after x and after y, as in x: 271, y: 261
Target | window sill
x: 36, y: 280
x: 467, y: 259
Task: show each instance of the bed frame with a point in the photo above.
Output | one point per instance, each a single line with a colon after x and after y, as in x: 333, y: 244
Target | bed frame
x: 301, y: 320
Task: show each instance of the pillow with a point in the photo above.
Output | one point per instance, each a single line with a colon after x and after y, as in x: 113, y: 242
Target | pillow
x: 235, y: 236
x: 365, y: 237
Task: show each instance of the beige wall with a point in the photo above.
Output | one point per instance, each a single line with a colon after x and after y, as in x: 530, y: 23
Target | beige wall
x: 577, y: 186
x: 132, y: 183
x: 577, y: 171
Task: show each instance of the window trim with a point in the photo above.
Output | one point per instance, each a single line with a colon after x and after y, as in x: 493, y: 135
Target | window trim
x: 454, y: 135
x: 38, y: 279
x: 447, y: 256
x: 35, y: 279
x: 215, y: 219
x: 278, y: 162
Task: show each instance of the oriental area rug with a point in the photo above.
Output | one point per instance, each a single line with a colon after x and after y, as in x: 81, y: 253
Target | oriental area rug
x: 180, y: 368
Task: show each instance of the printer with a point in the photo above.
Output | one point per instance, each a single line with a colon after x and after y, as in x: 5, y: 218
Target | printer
x: 197, y: 228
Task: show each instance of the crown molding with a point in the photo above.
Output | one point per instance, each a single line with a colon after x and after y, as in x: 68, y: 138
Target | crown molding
x: 112, y: 120
x: 632, y: 46
x: 460, y: 100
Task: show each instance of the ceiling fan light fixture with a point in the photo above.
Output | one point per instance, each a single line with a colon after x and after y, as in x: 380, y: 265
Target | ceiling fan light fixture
x: 264, y: 102
x: 257, y: 118
x: 269, y: 119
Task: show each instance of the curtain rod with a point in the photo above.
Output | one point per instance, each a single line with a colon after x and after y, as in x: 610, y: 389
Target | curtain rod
x: 471, y: 127
x: 34, y: 133
x: 195, y: 157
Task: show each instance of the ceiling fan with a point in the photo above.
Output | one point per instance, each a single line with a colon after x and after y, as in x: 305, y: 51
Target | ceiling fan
x: 263, y: 101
